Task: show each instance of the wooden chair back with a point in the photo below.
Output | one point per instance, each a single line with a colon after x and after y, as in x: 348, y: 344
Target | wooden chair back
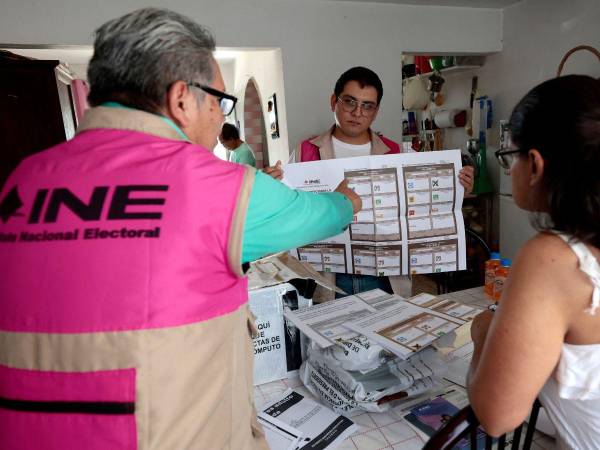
x: 464, y: 425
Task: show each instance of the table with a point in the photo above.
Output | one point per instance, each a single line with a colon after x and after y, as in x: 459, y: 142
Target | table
x: 379, y: 431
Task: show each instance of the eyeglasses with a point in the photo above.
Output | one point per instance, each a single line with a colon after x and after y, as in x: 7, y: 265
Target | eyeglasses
x: 350, y: 104
x: 226, y: 102
x: 507, y: 157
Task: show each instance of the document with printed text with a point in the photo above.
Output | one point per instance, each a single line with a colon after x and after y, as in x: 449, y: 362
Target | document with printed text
x: 411, y: 220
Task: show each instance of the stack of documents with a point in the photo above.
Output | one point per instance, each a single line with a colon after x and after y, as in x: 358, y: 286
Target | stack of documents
x: 400, y: 326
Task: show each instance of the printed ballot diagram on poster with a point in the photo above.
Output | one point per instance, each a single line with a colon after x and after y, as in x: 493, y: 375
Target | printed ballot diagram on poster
x: 411, y: 220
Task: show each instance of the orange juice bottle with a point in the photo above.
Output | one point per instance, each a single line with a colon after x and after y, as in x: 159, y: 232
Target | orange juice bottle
x: 500, y: 279
x: 490, y: 273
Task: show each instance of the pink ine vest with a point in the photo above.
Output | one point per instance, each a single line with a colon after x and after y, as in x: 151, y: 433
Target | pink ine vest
x: 118, y: 221
x: 113, y: 250
x: 310, y: 152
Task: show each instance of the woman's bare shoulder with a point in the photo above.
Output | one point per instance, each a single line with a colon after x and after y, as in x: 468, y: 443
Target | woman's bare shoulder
x: 546, y: 249
x: 547, y: 266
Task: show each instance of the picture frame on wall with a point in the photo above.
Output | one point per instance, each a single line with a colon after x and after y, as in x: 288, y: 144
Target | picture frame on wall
x: 273, y: 119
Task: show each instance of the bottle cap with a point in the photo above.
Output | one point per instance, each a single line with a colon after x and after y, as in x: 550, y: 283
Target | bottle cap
x: 494, y: 255
x: 505, y: 262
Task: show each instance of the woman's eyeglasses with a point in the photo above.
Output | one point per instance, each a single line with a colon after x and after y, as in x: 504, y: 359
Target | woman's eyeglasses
x: 226, y: 102
x: 507, y: 157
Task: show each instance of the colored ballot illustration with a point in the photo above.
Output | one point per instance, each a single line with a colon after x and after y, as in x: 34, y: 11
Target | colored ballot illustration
x: 411, y: 220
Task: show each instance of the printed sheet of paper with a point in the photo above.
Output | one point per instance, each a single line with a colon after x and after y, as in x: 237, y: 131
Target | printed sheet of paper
x: 298, y: 416
x: 411, y: 220
x: 404, y: 327
x: 324, y: 322
x: 281, y: 436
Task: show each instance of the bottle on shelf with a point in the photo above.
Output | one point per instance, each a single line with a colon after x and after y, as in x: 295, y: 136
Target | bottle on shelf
x: 490, y: 273
x: 502, y: 272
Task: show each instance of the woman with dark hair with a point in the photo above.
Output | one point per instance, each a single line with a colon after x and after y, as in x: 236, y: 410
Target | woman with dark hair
x: 544, y: 338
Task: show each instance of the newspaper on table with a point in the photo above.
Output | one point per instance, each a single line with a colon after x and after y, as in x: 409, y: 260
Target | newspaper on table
x: 401, y: 326
x: 353, y: 351
x: 324, y: 322
x: 298, y: 420
x: 411, y: 220
x: 410, y: 325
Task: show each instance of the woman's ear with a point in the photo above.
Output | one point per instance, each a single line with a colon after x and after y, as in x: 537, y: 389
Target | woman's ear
x: 536, y: 167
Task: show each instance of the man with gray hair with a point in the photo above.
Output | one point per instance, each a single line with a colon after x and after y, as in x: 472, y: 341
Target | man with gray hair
x: 124, y: 320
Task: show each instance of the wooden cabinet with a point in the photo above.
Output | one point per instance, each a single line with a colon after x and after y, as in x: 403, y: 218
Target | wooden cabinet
x: 36, y: 108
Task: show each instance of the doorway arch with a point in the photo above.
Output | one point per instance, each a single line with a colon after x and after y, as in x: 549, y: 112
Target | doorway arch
x: 255, y: 133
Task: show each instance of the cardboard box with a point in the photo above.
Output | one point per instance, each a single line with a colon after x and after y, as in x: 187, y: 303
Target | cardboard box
x: 278, y: 345
x: 274, y: 283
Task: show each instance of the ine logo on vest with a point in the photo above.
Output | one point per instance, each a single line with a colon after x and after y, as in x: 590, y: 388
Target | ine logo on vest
x: 49, y: 204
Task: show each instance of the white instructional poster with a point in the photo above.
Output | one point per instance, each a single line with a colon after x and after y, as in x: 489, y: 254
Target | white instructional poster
x: 411, y: 220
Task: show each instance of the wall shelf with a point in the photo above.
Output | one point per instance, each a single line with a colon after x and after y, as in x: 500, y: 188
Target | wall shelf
x: 447, y: 71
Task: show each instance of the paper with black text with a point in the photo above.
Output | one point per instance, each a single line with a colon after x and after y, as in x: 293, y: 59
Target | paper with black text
x: 319, y: 427
x: 324, y: 323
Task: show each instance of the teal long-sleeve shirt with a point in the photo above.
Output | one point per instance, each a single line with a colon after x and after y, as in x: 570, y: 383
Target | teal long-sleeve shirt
x: 280, y: 218
x: 243, y: 155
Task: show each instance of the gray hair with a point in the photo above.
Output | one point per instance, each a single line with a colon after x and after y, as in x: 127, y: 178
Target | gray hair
x: 139, y: 55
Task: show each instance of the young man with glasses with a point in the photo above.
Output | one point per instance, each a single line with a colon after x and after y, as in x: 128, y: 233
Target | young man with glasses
x: 355, y: 103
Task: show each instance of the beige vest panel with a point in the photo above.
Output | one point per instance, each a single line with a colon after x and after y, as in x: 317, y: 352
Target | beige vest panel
x: 193, y: 383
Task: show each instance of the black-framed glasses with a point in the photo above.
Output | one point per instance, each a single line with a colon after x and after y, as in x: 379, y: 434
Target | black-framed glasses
x: 226, y: 102
x: 506, y: 157
x: 350, y: 104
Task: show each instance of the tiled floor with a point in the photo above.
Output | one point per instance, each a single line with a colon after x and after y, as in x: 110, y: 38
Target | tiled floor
x: 378, y: 431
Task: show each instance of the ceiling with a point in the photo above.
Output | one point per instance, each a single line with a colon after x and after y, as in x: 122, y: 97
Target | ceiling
x: 495, y: 4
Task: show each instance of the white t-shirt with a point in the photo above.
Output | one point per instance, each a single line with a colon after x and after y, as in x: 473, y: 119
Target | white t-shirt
x: 344, y: 150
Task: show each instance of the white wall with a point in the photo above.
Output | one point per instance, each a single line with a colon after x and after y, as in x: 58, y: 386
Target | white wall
x: 318, y: 40
x: 265, y: 67
x: 227, y: 67
x: 537, y: 33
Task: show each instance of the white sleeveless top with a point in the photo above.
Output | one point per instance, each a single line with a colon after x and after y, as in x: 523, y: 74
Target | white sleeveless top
x: 571, y: 396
